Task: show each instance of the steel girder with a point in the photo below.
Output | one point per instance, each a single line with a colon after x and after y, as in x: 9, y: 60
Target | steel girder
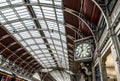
x: 15, y: 60
x: 81, y: 17
x: 74, y: 29
x: 102, y: 6
x: 32, y: 4
x: 14, y: 53
x: 67, y: 25
x: 24, y: 19
x: 92, y: 27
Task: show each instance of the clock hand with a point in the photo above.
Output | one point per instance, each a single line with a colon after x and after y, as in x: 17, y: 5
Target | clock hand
x: 81, y: 49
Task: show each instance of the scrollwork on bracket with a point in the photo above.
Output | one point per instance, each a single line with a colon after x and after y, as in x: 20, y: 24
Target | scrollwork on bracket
x: 87, y: 72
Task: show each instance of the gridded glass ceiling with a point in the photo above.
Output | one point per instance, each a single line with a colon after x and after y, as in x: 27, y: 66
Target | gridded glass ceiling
x: 60, y: 75
x: 43, y: 35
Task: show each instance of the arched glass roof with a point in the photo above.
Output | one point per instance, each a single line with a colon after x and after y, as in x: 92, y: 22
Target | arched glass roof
x: 45, y: 19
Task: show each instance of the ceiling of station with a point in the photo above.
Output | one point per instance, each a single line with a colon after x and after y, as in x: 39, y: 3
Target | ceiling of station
x: 41, y: 33
x: 38, y: 25
x: 81, y: 18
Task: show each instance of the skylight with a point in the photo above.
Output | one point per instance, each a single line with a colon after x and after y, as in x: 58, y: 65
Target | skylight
x: 32, y: 24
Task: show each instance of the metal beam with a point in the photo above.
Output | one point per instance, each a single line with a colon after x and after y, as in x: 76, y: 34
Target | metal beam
x: 10, y: 51
x: 43, y: 38
x: 92, y: 27
x: 35, y: 29
x: 19, y: 57
x: 102, y: 6
x: 71, y: 37
x: 5, y: 36
x: 24, y: 61
x: 85, y: 38
x: 71, y: 51
x: 24, y: 19
x: 79, y: 15
x: 74, y: 29
x: 33, y: 15
x: 31, y: 4
x: 45, y: 44
x: 67, y: 25
x: 14, y: 53
x: 7, y: 47
x: 48, y: 49
x: 35, y: 68
x: 39, y: 43
x: 11, y: 55
x: 31, y: 65
x: 10, y: 46
x: 71, y: 45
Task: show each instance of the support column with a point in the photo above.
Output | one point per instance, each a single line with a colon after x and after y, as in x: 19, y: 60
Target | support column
x: 116, y: 62
x: 103, y: 71
x: 115, y: 49
x: 115, y: 42
x: 100, y: 63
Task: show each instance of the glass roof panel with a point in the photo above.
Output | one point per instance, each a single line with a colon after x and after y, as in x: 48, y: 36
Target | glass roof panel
x: 34, y: 47
x: 1, y: 19
x: 35, y: 33
x: 17, y: 36
x: 39, y: 41
x: 38, y: 52
x: 46, y: 70
x: 48, y: 12
x: 47, y: 55
x: 41, y: 55
x: 60, y: 76
x: 60, y: 52
x: 61, y: 27
x: 43, y: 58
x: 51, y: 46
x: 33, y: 1
x: 52, y: 25
x: 32, y: 53
x: 23, y: 43
x: 59, y: 48
x: 56, y: 35
x: 28, y: 48
x: 50, y: 41
x: 57, y: 42
x: 16, y: 1
x: 3, y: 3
x: 46, y: 1
x: 47, y: 34
x: 25, y: 34
x: 43, y: 24
x: 23, y: 12
x: 42, y: 46
x: 58, y: 3
x: 37, y: 11
x: 45, y: 51
x: 30, y: 25
x: 29, y: 41
x: 18, y: 26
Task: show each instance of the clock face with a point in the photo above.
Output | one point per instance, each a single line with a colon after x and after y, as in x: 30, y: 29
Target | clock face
x: 83, y: 50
